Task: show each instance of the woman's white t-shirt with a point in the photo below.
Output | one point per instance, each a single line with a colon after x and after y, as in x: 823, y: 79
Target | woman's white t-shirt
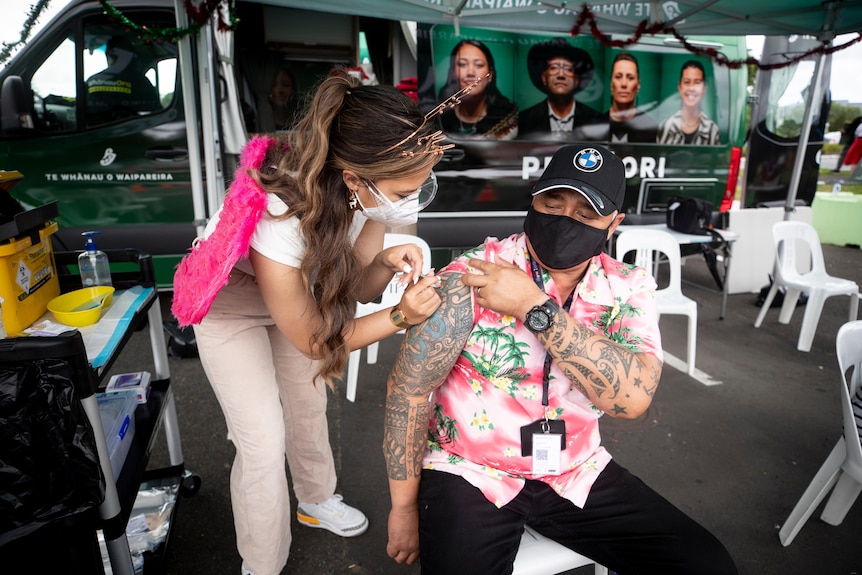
x: 279, y: 239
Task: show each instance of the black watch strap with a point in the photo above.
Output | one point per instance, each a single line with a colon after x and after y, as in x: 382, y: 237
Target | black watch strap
x: 541, y: 317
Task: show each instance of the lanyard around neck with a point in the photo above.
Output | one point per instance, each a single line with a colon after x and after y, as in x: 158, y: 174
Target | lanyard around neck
x: 540, y: 282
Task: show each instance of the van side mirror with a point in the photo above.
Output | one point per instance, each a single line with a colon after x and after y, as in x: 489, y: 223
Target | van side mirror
x: 14, y: 109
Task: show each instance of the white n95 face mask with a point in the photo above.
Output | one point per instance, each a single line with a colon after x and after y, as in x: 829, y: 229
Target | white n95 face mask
x: 404, y: 211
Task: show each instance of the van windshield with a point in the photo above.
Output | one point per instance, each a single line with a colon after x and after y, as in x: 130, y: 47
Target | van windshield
x: 125, y: 76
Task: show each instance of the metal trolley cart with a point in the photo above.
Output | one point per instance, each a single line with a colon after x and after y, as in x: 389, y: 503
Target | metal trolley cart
x: 90, y: 355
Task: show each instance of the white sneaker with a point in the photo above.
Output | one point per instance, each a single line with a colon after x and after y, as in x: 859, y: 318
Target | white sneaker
x: 334, y: 516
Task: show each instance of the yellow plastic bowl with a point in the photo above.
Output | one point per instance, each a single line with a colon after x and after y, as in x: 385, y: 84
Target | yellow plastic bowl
x: 81, y: 307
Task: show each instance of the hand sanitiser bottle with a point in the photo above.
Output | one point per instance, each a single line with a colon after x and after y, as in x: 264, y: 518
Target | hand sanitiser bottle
x: 93, y: 264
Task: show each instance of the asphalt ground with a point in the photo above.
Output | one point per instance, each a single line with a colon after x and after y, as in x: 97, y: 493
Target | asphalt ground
x: 736, y: 456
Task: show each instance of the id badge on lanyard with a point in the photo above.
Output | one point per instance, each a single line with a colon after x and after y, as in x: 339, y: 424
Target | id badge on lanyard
x: 545, y: 439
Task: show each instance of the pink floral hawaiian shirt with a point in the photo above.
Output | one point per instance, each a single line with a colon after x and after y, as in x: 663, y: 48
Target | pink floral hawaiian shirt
x: 495, y: 387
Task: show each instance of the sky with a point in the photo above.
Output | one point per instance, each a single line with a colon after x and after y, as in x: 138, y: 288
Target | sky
x: 16, y: 11
x: 846, y: 82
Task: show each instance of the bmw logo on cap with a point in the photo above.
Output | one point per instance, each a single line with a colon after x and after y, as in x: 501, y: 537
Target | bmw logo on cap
x: 588, y: 160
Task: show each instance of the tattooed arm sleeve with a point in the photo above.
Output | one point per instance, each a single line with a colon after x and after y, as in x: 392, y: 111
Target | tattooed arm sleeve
x: 617, y: 380
x: 427, y: 354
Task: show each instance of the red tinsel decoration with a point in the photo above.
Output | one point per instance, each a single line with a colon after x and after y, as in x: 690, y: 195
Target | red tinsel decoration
x: 200, y: 15
x: 586, y: 16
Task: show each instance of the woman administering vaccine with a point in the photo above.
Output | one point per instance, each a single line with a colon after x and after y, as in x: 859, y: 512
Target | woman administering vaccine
x: 272, y: 292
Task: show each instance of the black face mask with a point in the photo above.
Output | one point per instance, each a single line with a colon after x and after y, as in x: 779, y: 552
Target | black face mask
x: 561, y: 242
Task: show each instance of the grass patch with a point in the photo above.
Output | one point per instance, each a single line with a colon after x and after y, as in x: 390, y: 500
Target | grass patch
x: 845, y: 187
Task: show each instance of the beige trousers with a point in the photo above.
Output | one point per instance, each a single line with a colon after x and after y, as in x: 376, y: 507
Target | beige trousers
x: 274, y: 407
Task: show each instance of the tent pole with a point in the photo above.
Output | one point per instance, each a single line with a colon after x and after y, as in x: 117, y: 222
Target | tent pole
x: 214, y: 191
x: 187, y: 75
x: 813, y: 97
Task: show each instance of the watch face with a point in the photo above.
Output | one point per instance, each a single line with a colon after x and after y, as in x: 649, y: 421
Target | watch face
x: 399, y: 319
x: 538, y: 319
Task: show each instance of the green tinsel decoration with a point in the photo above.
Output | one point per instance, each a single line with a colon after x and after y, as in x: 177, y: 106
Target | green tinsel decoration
x: 35, y: 11
x: 198, y: 15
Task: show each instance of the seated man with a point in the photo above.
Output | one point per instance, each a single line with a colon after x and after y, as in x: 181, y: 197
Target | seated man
x: 121, y: 90
x: 552, y: 335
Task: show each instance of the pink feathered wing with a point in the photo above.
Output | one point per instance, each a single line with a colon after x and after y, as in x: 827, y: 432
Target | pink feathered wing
x: 206, y: 268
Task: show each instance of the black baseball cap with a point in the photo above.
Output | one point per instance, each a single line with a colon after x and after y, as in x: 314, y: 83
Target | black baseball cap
x: 593, y: 171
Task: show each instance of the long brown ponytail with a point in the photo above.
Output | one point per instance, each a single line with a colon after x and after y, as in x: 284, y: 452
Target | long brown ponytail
x: 347, y: 126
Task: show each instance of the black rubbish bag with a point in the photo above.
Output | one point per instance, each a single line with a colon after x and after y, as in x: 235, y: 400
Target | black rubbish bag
x: 182, y: 342
x: 49, y: 465
x: 778, y: 300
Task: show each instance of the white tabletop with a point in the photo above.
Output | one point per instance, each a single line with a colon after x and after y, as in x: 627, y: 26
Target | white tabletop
x: 682, y: 238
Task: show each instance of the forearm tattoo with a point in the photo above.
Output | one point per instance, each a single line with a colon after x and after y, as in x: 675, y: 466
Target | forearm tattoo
x: 427, y: 354
x: 603, y: 370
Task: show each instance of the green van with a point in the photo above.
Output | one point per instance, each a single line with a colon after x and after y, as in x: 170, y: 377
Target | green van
x: 95, y: 115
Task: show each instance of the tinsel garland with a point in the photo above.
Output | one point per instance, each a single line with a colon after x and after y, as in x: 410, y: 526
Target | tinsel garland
x: 35, y: 11
x: 199, y: 16
x: 586, y: 16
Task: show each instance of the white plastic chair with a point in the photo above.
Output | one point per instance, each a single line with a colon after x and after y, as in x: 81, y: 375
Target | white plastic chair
x: 391, y: 296
x: 818, y: 284
x: 669, y: 300
x: 538, y: 555
x: 843, y: 467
